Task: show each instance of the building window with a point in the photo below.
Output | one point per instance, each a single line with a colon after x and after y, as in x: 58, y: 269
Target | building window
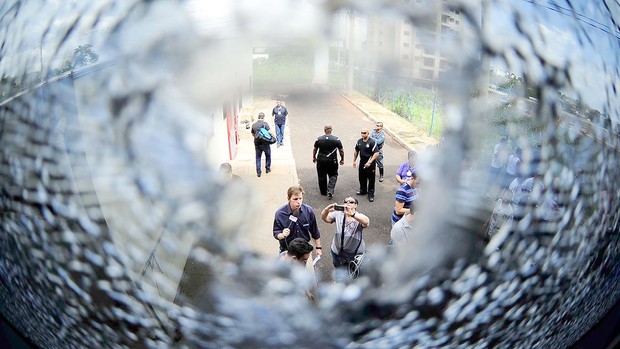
x: 445, y: 18
x: 426, y: 74
x: 429, y: 62
x: 406, y: 33
x: 405, y: 44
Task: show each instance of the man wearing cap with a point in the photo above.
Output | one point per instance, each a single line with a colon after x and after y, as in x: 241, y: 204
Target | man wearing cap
x: 326, y: 160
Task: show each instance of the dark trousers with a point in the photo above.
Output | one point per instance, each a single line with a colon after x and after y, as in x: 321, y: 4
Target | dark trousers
x: 367, y: 179
x: 260, y: 148
x: 327, y: 171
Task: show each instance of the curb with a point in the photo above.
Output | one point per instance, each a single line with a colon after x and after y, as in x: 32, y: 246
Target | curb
x: 374, y: 119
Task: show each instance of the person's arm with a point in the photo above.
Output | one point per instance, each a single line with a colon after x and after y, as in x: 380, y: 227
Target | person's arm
x: 279, y: 231
x: 400, y: 208
x: 381, y: 139
x: 360, y: 217
x: 313, y: 229
x: 325, y: 216
x: 314, y: 150
x: 317, y: 247
x: 341, y: 151
x: 355, y: 158
x: 373, y: 158
x: 399, y: 179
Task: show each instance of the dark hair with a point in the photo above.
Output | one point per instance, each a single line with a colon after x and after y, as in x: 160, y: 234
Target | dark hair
x: 261, y: 115
x: 299, y: 247
x: 226, y: 167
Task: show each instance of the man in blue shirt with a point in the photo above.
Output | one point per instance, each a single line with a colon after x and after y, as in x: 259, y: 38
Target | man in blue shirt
x: 296, y: 220
x: 279, y: 114
x: 379, y: 136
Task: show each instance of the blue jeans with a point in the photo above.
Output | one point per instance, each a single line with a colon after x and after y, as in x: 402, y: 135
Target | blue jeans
x: 260, y: 148
x: 280, y: 133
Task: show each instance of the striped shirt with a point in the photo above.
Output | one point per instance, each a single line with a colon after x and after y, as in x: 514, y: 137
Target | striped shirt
x: 407, y: 195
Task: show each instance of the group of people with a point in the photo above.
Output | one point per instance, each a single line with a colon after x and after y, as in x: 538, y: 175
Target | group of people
x: 369, y: 150
x: 296, y: 221
x: 515, y: 187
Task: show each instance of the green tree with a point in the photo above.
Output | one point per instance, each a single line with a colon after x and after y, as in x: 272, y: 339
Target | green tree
x: 83, y: 55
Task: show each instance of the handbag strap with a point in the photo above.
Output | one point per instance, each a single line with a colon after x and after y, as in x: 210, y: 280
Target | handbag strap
x: 344, y: 218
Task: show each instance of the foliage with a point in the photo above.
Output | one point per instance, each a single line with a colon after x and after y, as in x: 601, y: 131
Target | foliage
x: 284, y: 66
x: 416, y: 105
x: 9, y: 86
x: 84, y: 55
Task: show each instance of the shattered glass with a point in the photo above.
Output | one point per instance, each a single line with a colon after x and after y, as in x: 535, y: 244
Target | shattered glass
x: 109, y: 190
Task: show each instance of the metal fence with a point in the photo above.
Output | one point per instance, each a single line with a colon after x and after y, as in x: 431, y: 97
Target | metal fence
x: 416, y: 101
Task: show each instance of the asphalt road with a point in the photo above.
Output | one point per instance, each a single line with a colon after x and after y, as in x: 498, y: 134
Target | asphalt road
x: 307, y: 116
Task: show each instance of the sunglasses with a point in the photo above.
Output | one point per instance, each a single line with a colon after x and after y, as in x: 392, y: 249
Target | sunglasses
x: 363, y: 133
x: 350, y: 202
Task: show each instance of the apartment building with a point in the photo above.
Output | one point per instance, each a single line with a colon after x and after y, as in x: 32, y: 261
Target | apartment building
x: 411, y: 51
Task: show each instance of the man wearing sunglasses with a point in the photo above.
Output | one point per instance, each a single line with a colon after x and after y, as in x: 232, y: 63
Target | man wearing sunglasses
x: 368, y: 152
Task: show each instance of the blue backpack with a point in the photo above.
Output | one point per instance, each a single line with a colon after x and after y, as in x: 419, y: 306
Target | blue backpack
x: 265, y: 136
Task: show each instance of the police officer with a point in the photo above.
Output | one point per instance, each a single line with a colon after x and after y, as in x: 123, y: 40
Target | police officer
x: 326, y: 160
x: 368, y: 152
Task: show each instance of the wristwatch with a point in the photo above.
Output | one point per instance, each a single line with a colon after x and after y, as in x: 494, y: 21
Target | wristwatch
x: 354, y: 213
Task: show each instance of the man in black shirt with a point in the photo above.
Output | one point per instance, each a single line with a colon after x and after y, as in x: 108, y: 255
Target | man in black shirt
x: 368, y: 151
x: 326, y: 160
x: 260, y: 146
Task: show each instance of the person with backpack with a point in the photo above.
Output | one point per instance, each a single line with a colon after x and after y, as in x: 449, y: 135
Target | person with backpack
x: 326, y: 160
x: 348, y: 242
x: 261, y: 145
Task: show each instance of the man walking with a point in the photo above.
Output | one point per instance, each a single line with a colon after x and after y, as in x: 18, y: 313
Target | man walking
x: 279, y: 114
x: 368, y: 152
x: 326, y: 160
x: 261, y: 146
x: 296, y: 220
x: 379, y: 136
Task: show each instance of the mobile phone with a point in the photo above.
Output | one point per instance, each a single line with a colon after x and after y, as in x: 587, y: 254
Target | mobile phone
x: 339, y: 208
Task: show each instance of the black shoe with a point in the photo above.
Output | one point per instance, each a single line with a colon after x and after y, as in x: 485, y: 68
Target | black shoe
x: 268, y: 170
x: 381, y: 179
x: 360, y: 192
x: 371, y: 198
x: 329, y: 195
x: 258, y: 174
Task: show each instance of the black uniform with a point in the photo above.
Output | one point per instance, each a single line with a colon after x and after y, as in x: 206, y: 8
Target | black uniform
x: 327, y: 162
x: 366, y: 175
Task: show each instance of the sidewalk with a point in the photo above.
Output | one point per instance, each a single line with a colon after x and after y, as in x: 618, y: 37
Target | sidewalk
x: 403, y: 131
x: 272, y: 187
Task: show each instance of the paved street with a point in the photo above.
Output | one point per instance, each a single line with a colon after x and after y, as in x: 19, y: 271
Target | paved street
x: 292, y: 163
x: 307, y: 117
